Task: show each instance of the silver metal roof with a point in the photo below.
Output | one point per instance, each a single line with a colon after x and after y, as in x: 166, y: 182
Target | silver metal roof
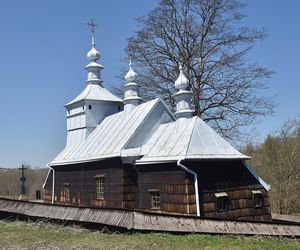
x: 108, y: 138
x: 159, y: 139
x: 95, y: 92
x: 187, y: 138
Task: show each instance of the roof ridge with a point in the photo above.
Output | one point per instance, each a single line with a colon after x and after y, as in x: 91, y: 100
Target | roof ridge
x: 188, y: 146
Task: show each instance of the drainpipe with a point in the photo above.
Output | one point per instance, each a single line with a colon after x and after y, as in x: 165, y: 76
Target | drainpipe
x: 53, y: 182
x: 195, y: 181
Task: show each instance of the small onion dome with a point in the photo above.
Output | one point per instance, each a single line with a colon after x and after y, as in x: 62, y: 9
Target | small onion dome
x: 131, y: 75
x: 182, y: 82
x: 93, y: 54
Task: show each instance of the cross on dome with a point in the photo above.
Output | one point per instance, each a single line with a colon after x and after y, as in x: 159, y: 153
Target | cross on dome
x: 93, y: 68
x: 93, y: 26
x: 93, y: 55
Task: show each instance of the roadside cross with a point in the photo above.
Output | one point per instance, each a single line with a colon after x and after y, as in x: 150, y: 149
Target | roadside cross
x: 23, y: 179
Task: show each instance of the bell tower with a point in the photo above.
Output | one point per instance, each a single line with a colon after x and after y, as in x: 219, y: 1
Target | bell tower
x: 94, y: 103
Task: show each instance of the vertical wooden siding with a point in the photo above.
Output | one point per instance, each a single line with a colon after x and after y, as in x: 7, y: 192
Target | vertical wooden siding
x: 81, y: 178
x: 124, y: 188
x: 234, y: 179
x: 176, y: 190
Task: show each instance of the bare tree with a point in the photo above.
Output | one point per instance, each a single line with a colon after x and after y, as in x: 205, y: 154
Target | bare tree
x: 207, y: 38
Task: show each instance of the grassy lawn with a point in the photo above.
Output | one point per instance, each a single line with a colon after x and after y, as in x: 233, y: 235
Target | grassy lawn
x: 28, y: 235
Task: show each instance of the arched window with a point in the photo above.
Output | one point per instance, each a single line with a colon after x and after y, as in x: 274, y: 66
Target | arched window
x: 90, y: 106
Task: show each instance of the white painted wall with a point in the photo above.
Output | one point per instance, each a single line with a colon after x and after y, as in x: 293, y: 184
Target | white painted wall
x: 81, y: 120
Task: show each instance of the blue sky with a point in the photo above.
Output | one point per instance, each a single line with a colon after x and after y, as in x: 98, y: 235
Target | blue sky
x: 43, y: 49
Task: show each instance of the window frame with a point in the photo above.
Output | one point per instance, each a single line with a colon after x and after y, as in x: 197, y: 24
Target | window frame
x: 222, y: 202
x: 100, y: 186
x: 155, y: 199
x: 257, y: 196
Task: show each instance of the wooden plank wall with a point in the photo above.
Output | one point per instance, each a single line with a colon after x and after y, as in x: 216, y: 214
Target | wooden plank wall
x: 125, y: 189
x: 176, y: 190
x: 81, y: 178
x: 129, y: 186
x: 234, y: 179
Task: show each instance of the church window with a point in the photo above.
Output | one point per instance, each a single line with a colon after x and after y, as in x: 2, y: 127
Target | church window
x: 221, y: 201
x: 119, y: 107
x: 67, y: 192
x: 90, y: 106
x: 100, y: 181
x: 257, y: 198
x: 155, y: 198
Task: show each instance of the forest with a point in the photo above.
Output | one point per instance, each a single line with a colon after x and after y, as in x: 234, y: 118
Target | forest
x: 277, y: 161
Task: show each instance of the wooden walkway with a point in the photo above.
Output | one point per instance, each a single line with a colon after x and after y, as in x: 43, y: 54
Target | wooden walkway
x: 143, y: 221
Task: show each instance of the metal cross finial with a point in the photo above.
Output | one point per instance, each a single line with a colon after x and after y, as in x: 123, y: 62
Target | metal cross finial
x: 93, y: 25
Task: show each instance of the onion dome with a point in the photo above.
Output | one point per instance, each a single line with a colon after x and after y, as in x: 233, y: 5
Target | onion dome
x: 131, y: 91
x: 182, y: 82
x: 131, y: 75
x: 93, y: 55
x: 183, y: 97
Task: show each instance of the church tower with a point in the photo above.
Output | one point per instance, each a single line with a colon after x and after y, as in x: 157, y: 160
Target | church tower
x: 95, y: 102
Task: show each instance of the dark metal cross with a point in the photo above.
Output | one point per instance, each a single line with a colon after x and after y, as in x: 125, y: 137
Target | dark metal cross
x: 23, y: 180
x: 93, y: 25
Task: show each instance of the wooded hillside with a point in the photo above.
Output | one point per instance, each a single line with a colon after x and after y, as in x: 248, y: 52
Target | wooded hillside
x: 277, y: 161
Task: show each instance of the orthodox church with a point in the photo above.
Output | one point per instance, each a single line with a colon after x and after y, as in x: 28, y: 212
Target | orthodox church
x: 130, y: 154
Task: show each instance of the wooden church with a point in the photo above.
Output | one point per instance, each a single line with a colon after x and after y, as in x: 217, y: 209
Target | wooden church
x: 130, y: 154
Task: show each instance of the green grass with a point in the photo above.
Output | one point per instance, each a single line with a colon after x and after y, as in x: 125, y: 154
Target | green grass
x: 29, y: 235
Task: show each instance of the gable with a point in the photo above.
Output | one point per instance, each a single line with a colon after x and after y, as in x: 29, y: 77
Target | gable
x: 116, y: 132
x: 159, y: 115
